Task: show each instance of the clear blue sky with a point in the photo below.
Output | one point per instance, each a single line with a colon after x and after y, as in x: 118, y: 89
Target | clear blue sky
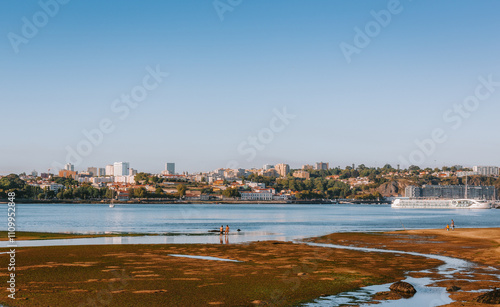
x: 226, y: 77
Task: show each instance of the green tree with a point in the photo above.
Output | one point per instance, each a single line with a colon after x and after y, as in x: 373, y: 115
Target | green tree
x: 68, y: 194
x: 140, y: 192
x: 109, y: 193
x: 413, y: 168
x: 11, y: 183
x: 141, y: 177
x: 231, y: 192
x: 207, y: 191
x: 318, y: 184
x: 181, y: 190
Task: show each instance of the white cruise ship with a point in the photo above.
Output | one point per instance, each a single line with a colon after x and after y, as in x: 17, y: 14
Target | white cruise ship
x: 420, y: 203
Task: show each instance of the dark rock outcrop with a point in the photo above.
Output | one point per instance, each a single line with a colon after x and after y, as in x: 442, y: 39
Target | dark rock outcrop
x: 403, y: 288
x: 453, y: 289
x: 389, y: 189
x: 492, y: 297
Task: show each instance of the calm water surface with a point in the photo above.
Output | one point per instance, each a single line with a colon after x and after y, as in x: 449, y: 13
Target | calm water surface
x: 191, y: 223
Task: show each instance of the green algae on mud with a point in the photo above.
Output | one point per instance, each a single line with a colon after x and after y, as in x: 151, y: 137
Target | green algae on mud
x: 273, y: 273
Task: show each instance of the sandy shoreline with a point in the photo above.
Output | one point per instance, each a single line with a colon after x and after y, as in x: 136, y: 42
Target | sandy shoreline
x: 270, y: 273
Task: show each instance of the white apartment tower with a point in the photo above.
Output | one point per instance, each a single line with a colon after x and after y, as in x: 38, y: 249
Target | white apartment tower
x: 110, y: 170
x: 69, y: 167
x: 121, y: 168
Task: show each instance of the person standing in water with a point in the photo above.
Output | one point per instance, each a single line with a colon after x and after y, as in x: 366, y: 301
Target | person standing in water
x: 452, y: 224
x: 221, y: 229
x: 227, y: 230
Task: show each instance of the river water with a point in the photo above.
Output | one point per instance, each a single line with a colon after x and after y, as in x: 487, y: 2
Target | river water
x: 192, y: 224
x: 185, y: 223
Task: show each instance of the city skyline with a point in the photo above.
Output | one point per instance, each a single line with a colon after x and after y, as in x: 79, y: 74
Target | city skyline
x: 370, y: 82
x: 282, y: 169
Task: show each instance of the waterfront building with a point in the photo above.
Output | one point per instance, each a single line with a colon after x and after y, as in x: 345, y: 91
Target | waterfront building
x: 258, y: 194
x: 486, y: 170
x: 451, y: 191
x: 282, y: 169
x: 123, y: 195
x: 121, y: 168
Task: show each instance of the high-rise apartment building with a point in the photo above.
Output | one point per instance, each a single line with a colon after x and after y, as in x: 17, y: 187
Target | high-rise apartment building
x: 102, y: 172
x: 121, y: 168
x: 110, y: 170
x: 321, y: 166
x: 170, y: 168
x: 69, y: 167
x: 486, y: 170
x: 282, y: 169
x: 267, y: 167
x: 92, y: 171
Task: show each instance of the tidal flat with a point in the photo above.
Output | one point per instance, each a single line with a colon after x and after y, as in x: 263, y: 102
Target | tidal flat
x: 268, y: 273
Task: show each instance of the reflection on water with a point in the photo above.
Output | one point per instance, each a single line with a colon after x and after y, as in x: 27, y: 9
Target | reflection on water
x: 201, y: 223
x: 289, y: 221
x: 177, y: 239
x: 204, y: 257
x: 425, y: 296
x: 226, y: 239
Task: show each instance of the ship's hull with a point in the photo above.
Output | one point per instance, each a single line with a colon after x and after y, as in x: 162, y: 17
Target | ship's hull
x: 440, y: 204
